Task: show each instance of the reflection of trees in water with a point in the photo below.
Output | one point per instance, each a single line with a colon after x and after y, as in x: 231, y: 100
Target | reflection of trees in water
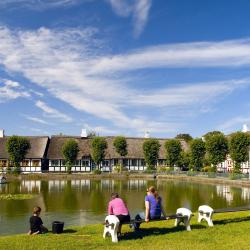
x: 94, y: 195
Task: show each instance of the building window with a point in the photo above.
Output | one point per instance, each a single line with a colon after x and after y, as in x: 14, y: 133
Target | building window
x: 85, y: 163
x: 3, y: 163
x: 25, y: 163
x: 133, y: 162
x: 35, y: 163
x: 116, y: 162
x: 143, y: 162
x: 54, y: 162
x: 78, y: 163
x: 105, y: 163
x: 125, y: 162
x: 63, y: 162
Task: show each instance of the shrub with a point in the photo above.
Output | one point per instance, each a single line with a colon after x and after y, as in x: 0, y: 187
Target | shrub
x: 97, y: 171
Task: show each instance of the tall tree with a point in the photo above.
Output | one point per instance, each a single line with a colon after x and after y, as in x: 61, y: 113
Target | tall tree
x: 151, y: 149
x: 173, y: 152
x: 212, y: 133
x: 197, y: 153
x: 217, y: 148
x: 70, y: 150
x: 186, y: 137
x: 120, y: 145
x: 98, y: 147
x: 239, y: 149
x: 17, y: 147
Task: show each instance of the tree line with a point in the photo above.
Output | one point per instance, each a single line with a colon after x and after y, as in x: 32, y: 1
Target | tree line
x: 201, y: 154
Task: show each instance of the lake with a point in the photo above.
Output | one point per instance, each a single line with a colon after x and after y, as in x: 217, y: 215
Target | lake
x: 81, y: 202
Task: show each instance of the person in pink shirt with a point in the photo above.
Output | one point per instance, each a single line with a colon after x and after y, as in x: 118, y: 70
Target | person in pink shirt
x: 118, y: 208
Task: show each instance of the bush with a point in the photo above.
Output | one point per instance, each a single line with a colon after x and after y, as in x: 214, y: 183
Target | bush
x: 97, y: 171
x: 211, y: 175
x: 117, y: 168
x: 235, y: 176
x: 207, y: 169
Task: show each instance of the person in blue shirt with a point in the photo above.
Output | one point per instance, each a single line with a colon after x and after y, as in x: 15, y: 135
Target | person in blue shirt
x: 153, y: 208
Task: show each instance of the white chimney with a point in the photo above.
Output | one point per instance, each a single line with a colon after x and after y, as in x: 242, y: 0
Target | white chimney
x: 244, y: 128
x: 147, y: 134
x: 84, y: 133
x: 1, y: 133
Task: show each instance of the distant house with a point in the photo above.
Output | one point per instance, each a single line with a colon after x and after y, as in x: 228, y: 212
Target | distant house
x: 228, y: 164
x: 134, y: 160
x: 35, y: 160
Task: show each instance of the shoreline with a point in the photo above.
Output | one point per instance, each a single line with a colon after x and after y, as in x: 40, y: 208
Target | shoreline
x: 126, y: 176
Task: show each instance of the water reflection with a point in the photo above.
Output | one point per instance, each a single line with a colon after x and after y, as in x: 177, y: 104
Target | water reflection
x: 79, y: 202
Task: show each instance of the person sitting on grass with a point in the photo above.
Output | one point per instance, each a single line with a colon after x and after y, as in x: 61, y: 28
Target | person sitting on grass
x: 36, y: 223
x: 118, y: 208
x: 153, y: 208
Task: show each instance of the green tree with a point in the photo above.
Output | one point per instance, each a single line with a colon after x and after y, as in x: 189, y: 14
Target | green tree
x: 17, y: 147
x: 239, y: 149
x: 197, y: 153
x: 98, y: 147
x: 186, y: 137
x: 217, y: 148
x: 151, y: 149
x: 173, y: 152
x: 70, y: 150
x: 184, y: 160
x: 120, y: 145
x: 212, y: 133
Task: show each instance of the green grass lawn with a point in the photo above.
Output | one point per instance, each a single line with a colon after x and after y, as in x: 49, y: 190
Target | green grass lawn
x: 230, y: 231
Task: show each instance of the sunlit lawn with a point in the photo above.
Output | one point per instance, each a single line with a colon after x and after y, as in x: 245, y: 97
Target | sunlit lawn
x: 231, y: 231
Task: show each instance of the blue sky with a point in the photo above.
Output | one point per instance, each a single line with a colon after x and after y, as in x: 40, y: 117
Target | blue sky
x: 124, y: 66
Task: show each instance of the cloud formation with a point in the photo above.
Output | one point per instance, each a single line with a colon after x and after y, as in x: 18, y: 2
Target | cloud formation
x: 138, y: 9
x: 51, y: 112
x: 70, y: 65
x: 11, y: 90
x: 38, y: 4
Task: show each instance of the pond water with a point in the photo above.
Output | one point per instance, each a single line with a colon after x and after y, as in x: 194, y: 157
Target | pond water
x: 81, y: 202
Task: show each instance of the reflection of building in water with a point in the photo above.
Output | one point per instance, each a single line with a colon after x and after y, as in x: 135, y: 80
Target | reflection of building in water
x: 225, y: 192
x: 57, y: 184
x: 245, y: 194
x: 30, y: 186
x: 136, y: 184
x: 79, y: 184
x: 107, y: 184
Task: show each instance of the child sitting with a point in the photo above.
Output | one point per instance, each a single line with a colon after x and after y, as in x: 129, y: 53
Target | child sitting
x: 36, y: 223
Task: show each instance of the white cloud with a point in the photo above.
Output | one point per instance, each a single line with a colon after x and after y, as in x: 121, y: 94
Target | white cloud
x: 138, y: 9
x: 234, y: 53
x: 11, y: 90
x: 51, y: 112
x: 235, y: 123
x: 38, y: 4
x: 71, y: 66
x: 35, y: 119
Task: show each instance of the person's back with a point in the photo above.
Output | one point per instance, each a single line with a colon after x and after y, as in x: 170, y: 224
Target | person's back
x: 117, y: 207
x: 36, y: 223
x: 155, y: 208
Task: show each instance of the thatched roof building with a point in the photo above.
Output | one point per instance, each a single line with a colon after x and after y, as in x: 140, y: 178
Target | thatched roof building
x: 134, y: 147
x: 38, y: 149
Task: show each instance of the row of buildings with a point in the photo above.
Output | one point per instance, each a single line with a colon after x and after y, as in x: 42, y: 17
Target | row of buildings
x: 45, y: 155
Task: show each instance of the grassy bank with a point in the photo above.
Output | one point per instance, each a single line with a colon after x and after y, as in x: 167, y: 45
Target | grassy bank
x: 231, y: 231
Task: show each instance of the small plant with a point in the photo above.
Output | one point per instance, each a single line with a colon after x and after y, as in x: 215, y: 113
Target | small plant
x: 235, y: 176
x: 117, y: 168
x: 211, y: 175
x: 97, y: 171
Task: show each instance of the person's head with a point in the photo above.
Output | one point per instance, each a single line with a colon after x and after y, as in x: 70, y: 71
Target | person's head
x: 151, y: 190
x: 114, y: 195
x: 37, y: 210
